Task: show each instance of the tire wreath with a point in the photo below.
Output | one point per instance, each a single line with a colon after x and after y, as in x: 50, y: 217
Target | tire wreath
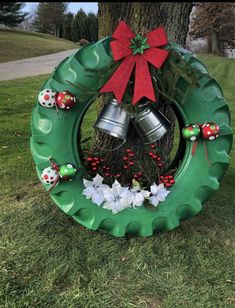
x: 55, y: 136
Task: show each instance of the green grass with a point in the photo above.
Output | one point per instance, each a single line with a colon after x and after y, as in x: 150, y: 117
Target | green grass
x: 48, y: 260
x: 17, y: 45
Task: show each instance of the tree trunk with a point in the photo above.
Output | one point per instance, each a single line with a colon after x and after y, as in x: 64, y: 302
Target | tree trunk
x: 173, y: 16
x: 209, y: 45
x: 215, y: 43
x: 144, y: 16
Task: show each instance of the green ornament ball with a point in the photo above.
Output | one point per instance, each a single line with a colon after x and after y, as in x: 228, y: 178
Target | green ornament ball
x: 67, y: 172
x: 191, y: 132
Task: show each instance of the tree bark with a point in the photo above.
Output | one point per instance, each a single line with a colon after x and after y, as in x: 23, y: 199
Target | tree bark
x: 173, y: 16
x: 217, y: 47
x: 214, y: 43
x: 144, y: 16
x: 209, y: 45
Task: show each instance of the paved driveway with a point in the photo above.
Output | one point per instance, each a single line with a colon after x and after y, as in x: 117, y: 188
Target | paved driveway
x: 32, y: 66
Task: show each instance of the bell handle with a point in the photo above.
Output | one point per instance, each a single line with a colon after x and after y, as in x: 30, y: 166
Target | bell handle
x: 124, y: 141
x: 103, y: 149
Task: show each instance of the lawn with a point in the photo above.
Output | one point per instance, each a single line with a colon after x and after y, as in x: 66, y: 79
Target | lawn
x: 48, y: 260
x: 17, y: 45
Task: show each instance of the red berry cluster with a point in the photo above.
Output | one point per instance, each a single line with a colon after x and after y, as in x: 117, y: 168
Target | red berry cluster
x: 94, y: 162
x: 106, y: 172
x: 128, y: 159
x: 167, y: 180
x: 153, y: 154
x: 137, y: 176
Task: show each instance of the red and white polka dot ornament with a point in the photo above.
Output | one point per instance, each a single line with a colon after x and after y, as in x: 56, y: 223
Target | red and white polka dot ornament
x: 49, y: 175
x: 65, y: 100
x: 210, y: 131
x: 47, y: 98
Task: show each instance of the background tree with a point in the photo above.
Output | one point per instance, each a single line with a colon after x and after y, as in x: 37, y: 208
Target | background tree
x: 215, y: 23
x: 75, y: 32
x: 11, y: 14
x: 67, y: 26
x: 92, y: 27
x: 42, y: 17
x: 79, y: 29
x: 49, y: 17
x: 144, y: 15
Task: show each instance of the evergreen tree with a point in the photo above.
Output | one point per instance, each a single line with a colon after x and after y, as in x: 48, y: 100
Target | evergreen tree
x: 75, y: 31
x: 50, y: 16
x: 215, y: 22
x: 81, y: 19
x: 10, y: 13
x: 79, y: 27
x: 42, y: 20
x: 67, y: 26
x: 92, y: 27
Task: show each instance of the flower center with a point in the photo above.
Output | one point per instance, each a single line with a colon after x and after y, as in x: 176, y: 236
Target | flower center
x: 117, y: 198
x: 139, y: 44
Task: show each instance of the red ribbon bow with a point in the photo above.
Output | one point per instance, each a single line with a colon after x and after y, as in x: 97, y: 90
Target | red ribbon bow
x: 121, y: 49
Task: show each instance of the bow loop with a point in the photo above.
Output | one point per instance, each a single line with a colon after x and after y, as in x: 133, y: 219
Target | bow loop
x: 123, y: 32
x: 157, y: 37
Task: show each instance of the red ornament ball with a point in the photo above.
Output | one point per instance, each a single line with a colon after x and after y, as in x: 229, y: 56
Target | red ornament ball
x: 65, y: 100
x: 210, y: 131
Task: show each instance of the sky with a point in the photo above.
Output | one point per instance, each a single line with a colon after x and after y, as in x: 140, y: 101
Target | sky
x: 73, y: 7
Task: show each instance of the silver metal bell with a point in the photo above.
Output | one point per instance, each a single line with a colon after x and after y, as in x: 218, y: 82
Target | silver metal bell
x: 113, y: 120
x: 150, y: 124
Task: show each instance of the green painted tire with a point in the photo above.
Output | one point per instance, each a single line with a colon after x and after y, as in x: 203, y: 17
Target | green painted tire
x: 55, y: 136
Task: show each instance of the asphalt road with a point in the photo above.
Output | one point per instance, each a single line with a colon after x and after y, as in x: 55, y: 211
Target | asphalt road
x: 32, y: 66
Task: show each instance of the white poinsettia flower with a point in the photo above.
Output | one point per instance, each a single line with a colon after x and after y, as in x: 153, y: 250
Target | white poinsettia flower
x: 94, y: 190
x: 159, y: 194
x: 138, y: 196
x: 98, y: 197
x: 96, y: 182
x: 117, y: 197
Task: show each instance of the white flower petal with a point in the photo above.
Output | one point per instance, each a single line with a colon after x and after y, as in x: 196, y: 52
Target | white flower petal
x: 108, y: 195
x: 161, y: 186
x: 98, y: 180
x: 87, y: 183
x: 138, y: 199
x: 103, y: 186
x: 98, y: 199
x: 124, y: 192
x: 89, y: 191
x: 153, y: 200
x: 153, y: 189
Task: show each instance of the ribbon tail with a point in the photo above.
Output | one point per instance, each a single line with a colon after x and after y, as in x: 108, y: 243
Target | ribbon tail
x: 194, y: 148
x: 118, y: 82
x: 206, y: 153
x: 143, y: 83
